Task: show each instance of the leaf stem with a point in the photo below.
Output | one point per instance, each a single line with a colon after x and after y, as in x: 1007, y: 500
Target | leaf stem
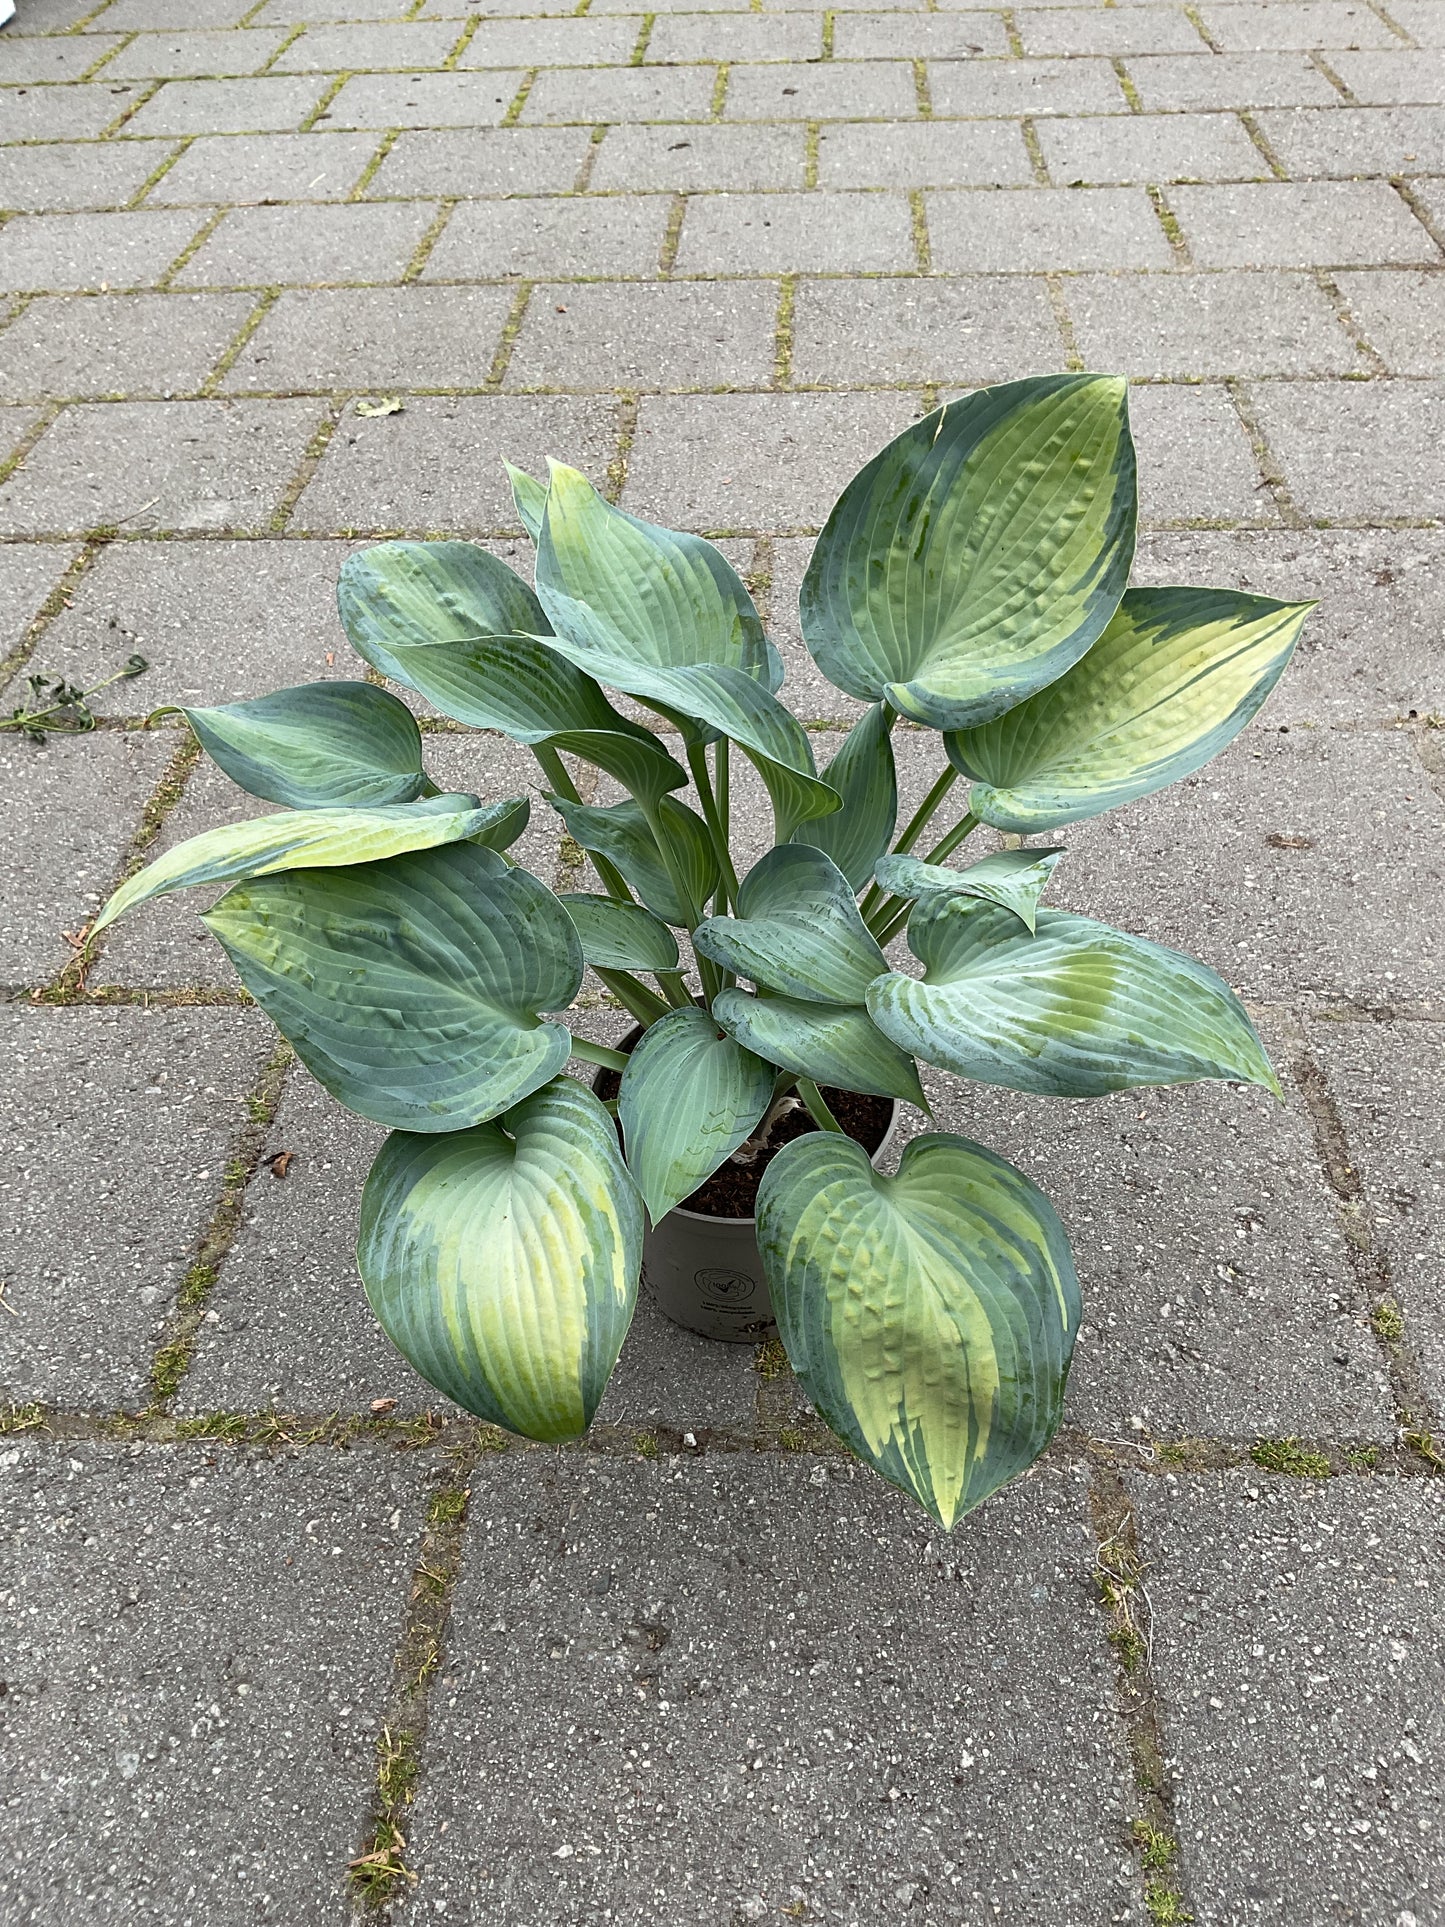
x: 590, y: 1053
x: 673, y: 988
x: 946, y: 845
x: 727, y: 891
x: 913, y: 829
x: 635, y: 997
x: 555, y: 771
x: 822, y: 1116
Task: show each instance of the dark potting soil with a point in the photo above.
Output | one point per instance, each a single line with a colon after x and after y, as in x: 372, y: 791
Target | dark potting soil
x: 732, y: 1191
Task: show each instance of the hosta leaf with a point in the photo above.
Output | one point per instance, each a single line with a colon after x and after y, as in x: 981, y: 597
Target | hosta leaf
x: 398, y: 594
x: 317, y: 746
x: 1014, y: 878
x: 529, y: 497
x: 830, y: 1043
x: 620, y: 936
x: 639, y: 762
x: 1175, y: 676
x: 980, y: 554
x: 863, y: 775
x: 1075, y: 1010
x: 502, y: 1261
x: 797, y: 930
x: 318, y: 839
x: 515, y: 684
x: 411, y: 989
x: 621, y: 833
x: 689, y: 1098
x: 930, y: 1316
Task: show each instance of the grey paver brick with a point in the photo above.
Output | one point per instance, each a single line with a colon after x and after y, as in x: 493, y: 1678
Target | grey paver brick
x: 186, y: 55
x: 934, y: 153
x: 96, y: 1103
x: 649, y: 1600
x: 754, y: 461
x: 1421, y: 18
x: 71, y: 175
x: 1194, y: 867
x: 1403, y: 316
x: 1119, y: 30
x: 160, y: 465
x: 50, y: 16
x: 439, y: 464
x: 823, y: 90
x: 1359, y: 453
x: 1430, y: 195
x: 468, y: 162
x: 177, y: 1623
x: 52, y: 58
x: 993, y: 87
x: 358, y: 47
x: 390, y: 338
x: 1173, y: 82
x: 258, y: 246
x: 1288, y: 224
x: 63, y: 251
x: 58, y: 113
x: 217, y: 621
x: 422, y: 100
x: 933, y: 36
x: 1040, y: 228
x: 287, y: 13
x: 1369, y: 583
x: 682, y: 334
x: 239, y: 168
x: 1151, y: 147
x: 552, y: 43
x: 146, y: 344
x: 1195, y: 458
x: 1350, y: 141
x: 228, y: 106
x: 551, y: 236
x: 772, y: 233
x: 710, y: 36
x: 1386, y: 1083
x: 168, y: 16
x: 680, y: 159
x: 620, y: 94
x: 1297, y: 1665
x: 15, y: 425
x: 28, y: 572
x: 1388, y: 79
x: 671, y: 1375
x: 977, y: 328
x: 1253, y: 24
x: 1208, y: 324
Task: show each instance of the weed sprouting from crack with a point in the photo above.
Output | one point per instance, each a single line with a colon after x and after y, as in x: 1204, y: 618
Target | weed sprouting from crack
x: 1289, y: 1457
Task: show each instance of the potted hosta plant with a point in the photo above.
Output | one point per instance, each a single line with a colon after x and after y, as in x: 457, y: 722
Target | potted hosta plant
x: 972, y: 579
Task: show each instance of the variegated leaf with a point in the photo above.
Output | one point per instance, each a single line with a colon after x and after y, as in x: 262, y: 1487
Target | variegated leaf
x: 829, y: 1043
x: 621, y: 833
x: 689, y: 1098
x: 797, y: 930
x: 320, y: 746
x: 1014, y: 878
x: 863, y: 775
x: 403, y: 593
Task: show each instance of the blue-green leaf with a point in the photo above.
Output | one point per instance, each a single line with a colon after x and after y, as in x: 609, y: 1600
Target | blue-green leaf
x: 1014, y: 878
x: 502, y: 1261
x: 690, y: 1096
x: 863, y: 775
x: 518, y: 685
x: 1075, y: 1010
x: 399, y: 594
x: 830, y: 1043
x: 621, y: 833
x: 980, y: 553
x: 529, y: 497
x: 412, y: 989
x: 317, y: 746
x: 797, y: 930
x: 620, y: 936
x: 930, y: 1316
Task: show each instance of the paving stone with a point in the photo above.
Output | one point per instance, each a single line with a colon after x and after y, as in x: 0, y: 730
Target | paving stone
x: 1359, y: 453
x: 1121, y: 30
x: 201, y: 1646
x: 550, y: 236
x: 227, y: 106
x: 931, y: 153
x: 167, y: 16
x: 439, y: 464
x: 654, y: 1600
x: 1300, y: 1679
x: 1294, y: 23
x: 1369, y: 583
x: 970, y: 87
x: 49, y: 17
x: 56, y: 58
x: 775, y: 233
x: 423, y: 100
x: 1386, y: 1083
x: 1041, y: 228
x: 1175, y: 82
x: 1431, y: 196
x: 680, y: 159
x: 28, y: 573
x: 76, y: 174
x: 260, y: 246
x: 1403, y: 316
x: 1421, y: 19
x: 58, y: 113
x: 1195, y: 868
x: 1208, y: 324
x: 620, y: 94
x: 682, y: 334
x: 1353, y: 141
x: 707, y: 36
x: 217, y: 621
x: 186, y: 55
x: 933, y: 36
x: 62, y: 251
x: 807, y: 691
x: 1309, y: 224
x: 15, y: 425
x: 1150, y: 147
x: 241, y: 168
x: 552, y: 43
x: 824, y: 90
x: 754, y: 461
x: 467, y: 162
x: 1195, y: 458
x: 97, y: 1103
x: 390, y: 338
x: 356, y: 47
x: 1387, y: 79
x: 978, y: 328
x: 160, y: 465
x: 159, y: 344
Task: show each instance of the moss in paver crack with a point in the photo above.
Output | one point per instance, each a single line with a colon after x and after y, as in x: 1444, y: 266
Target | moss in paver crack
x: 1288, y: 1456
x: 1386, y: 1322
